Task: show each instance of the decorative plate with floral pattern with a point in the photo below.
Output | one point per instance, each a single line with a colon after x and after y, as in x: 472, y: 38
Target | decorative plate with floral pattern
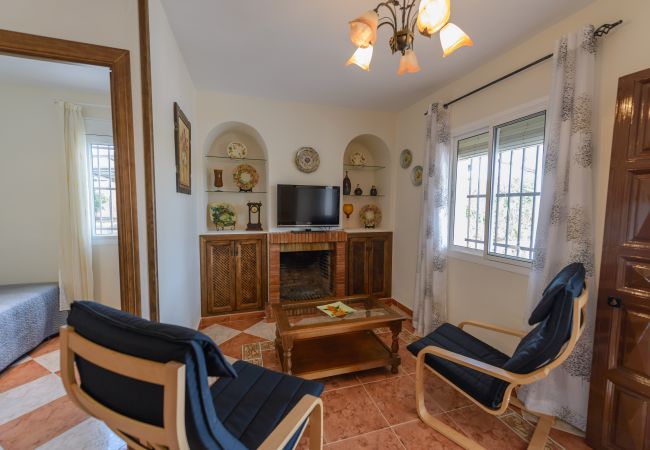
x: 307, y: 160
x: 358, y: 159
x: 223, y: 215
x: 370, y: 216
x: 416, y: 176
x: 245, y: 177
x: 405, y: 158
x: 237, y: 150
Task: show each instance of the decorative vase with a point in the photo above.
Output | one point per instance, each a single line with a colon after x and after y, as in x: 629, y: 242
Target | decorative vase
x: 358, y: 190
x: 348, y: 209
x: 347, y: 184
x: 218, y: 178
x: 373, y: 191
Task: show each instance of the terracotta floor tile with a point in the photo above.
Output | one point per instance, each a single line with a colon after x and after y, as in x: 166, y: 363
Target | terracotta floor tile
x: 395, y: 398
x: 233, y: 346
x: 47, y: 346
x: 445, y: 396
x: 486, y: 429
x: 340, y: 381
x: 569, y: 441
x: 381, y: 373
x: 21, y: 374
x: 39, y: 426
x: 377, y: 440
x: 241, y: 325
x: 520, y: 426
x: 416, y: 435
x: 349, y: 412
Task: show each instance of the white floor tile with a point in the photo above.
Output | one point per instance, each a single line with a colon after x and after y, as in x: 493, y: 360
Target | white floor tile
x: 29, y: 396
x: 262, y: 329
x: 91, y: 434
x: 219, y: 333
x: 51, y: 361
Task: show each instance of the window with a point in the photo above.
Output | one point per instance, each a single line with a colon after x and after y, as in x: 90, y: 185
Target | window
x: 505, y: 166
x: 104, y: 207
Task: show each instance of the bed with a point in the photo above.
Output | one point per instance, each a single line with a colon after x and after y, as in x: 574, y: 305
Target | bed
x: 29, y: 313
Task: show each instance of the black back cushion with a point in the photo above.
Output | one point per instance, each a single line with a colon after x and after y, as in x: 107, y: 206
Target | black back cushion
x: 142, y: 401
x: 553, y: 314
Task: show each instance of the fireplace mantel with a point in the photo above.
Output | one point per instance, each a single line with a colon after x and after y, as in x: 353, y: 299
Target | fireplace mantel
x: 306, y: 241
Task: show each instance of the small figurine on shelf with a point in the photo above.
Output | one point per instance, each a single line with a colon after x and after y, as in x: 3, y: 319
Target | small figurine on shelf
x: 254, y: 208
x: 373, y: 191
x: 347, y: 185
x: 358, y: 190
x: 218, y: 178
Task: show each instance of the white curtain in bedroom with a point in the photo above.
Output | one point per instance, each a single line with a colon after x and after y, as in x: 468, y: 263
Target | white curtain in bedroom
x: 430, y: 309
x: 565, y: 231
x: 75, y: 241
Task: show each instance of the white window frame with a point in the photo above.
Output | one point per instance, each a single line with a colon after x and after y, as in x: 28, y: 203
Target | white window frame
x: 98, y: 239
x: 489, y: 124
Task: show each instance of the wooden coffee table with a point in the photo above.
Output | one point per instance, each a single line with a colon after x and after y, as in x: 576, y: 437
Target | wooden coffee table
x: 313, y: 345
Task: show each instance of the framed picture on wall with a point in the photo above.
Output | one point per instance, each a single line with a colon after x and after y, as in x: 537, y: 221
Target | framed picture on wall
x: 183, y: 141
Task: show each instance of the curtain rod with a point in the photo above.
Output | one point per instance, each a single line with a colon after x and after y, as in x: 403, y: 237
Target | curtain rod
x: 599, y: 32
x: 59, y: 101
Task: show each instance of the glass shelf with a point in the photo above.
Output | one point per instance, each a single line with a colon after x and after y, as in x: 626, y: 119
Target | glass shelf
x: 235, y: 160
x: 364, y: 195
x: 226, y: 191
x: 353, y: 167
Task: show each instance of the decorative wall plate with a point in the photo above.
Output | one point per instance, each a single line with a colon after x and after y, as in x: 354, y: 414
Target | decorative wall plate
x: 405, y: 158
x: 416, y: 176
x: 370, y: 216
x: 223, y: 215
x: 307, y: 160
x: 237, y: 150
x: 245, y: 177
x: 358, y: 159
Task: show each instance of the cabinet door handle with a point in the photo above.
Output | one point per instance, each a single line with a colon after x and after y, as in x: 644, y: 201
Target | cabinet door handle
x: 614, y: 302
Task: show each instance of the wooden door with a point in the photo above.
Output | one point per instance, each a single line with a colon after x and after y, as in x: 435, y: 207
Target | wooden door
x: 379, y: 265
x: 619, y: 402
x: 219, y: 275
x: 357, y: 265
x: 251, y: 273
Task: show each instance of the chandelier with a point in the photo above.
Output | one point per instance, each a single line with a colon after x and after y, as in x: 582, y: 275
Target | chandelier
x: 432, y: 17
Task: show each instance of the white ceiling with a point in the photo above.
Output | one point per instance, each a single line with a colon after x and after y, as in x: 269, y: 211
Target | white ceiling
x: 296, y: 50
x: 25, y: 71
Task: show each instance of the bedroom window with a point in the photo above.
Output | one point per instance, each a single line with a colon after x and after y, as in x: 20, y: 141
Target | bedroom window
x: 104, y: 207
x: 498, y: 178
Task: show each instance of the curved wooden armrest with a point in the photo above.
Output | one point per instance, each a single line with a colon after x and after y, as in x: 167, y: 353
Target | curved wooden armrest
x: 308, y: 406
x: 489, y: 326
x: 480, y: 366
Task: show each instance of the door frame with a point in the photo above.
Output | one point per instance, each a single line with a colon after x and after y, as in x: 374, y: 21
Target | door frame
x: 118, y: 61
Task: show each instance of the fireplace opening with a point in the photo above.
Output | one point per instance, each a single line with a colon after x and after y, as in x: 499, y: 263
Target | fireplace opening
x: 306, y: 275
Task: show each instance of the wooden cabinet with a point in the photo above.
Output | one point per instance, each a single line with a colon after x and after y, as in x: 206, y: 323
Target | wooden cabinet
x: 233, y: 273
x: 369, y: 264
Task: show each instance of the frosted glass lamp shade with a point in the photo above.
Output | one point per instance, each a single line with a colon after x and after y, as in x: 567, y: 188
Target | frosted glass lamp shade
x: 363, y: 29
x: 362, y: 58
x: 452, y: 38
x: 433, y: 15
x: 408, y: 63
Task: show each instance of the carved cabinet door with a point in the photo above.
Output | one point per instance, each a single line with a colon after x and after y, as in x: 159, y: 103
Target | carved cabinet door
x: 220, y: 277
x: 619, y: 402
x: 250, y: 255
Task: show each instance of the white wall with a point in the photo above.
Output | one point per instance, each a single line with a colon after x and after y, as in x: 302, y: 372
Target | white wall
x: 481, y: 292
x: 178, y: 256
x: 112, y: 23
x: 31, y: 180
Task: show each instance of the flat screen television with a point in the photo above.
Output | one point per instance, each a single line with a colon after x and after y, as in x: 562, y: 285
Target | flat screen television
x: 308, y: 206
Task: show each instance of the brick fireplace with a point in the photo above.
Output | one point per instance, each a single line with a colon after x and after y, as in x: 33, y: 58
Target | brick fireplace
x: 306, y: 265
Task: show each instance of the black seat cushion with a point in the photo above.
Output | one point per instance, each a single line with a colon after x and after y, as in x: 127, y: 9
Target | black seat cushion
x: 484, y: 388
x: 251, y: 405
x: 539, y: 347
x: 142, y: 401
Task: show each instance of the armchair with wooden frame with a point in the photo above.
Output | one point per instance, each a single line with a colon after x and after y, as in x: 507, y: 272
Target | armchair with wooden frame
x: 488, y: 377
x: 149, y: 383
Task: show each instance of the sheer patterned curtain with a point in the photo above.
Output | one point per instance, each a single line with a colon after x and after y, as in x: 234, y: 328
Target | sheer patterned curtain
x: 75, y: 246
x: 565, y: 231
x: 430, y: 309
